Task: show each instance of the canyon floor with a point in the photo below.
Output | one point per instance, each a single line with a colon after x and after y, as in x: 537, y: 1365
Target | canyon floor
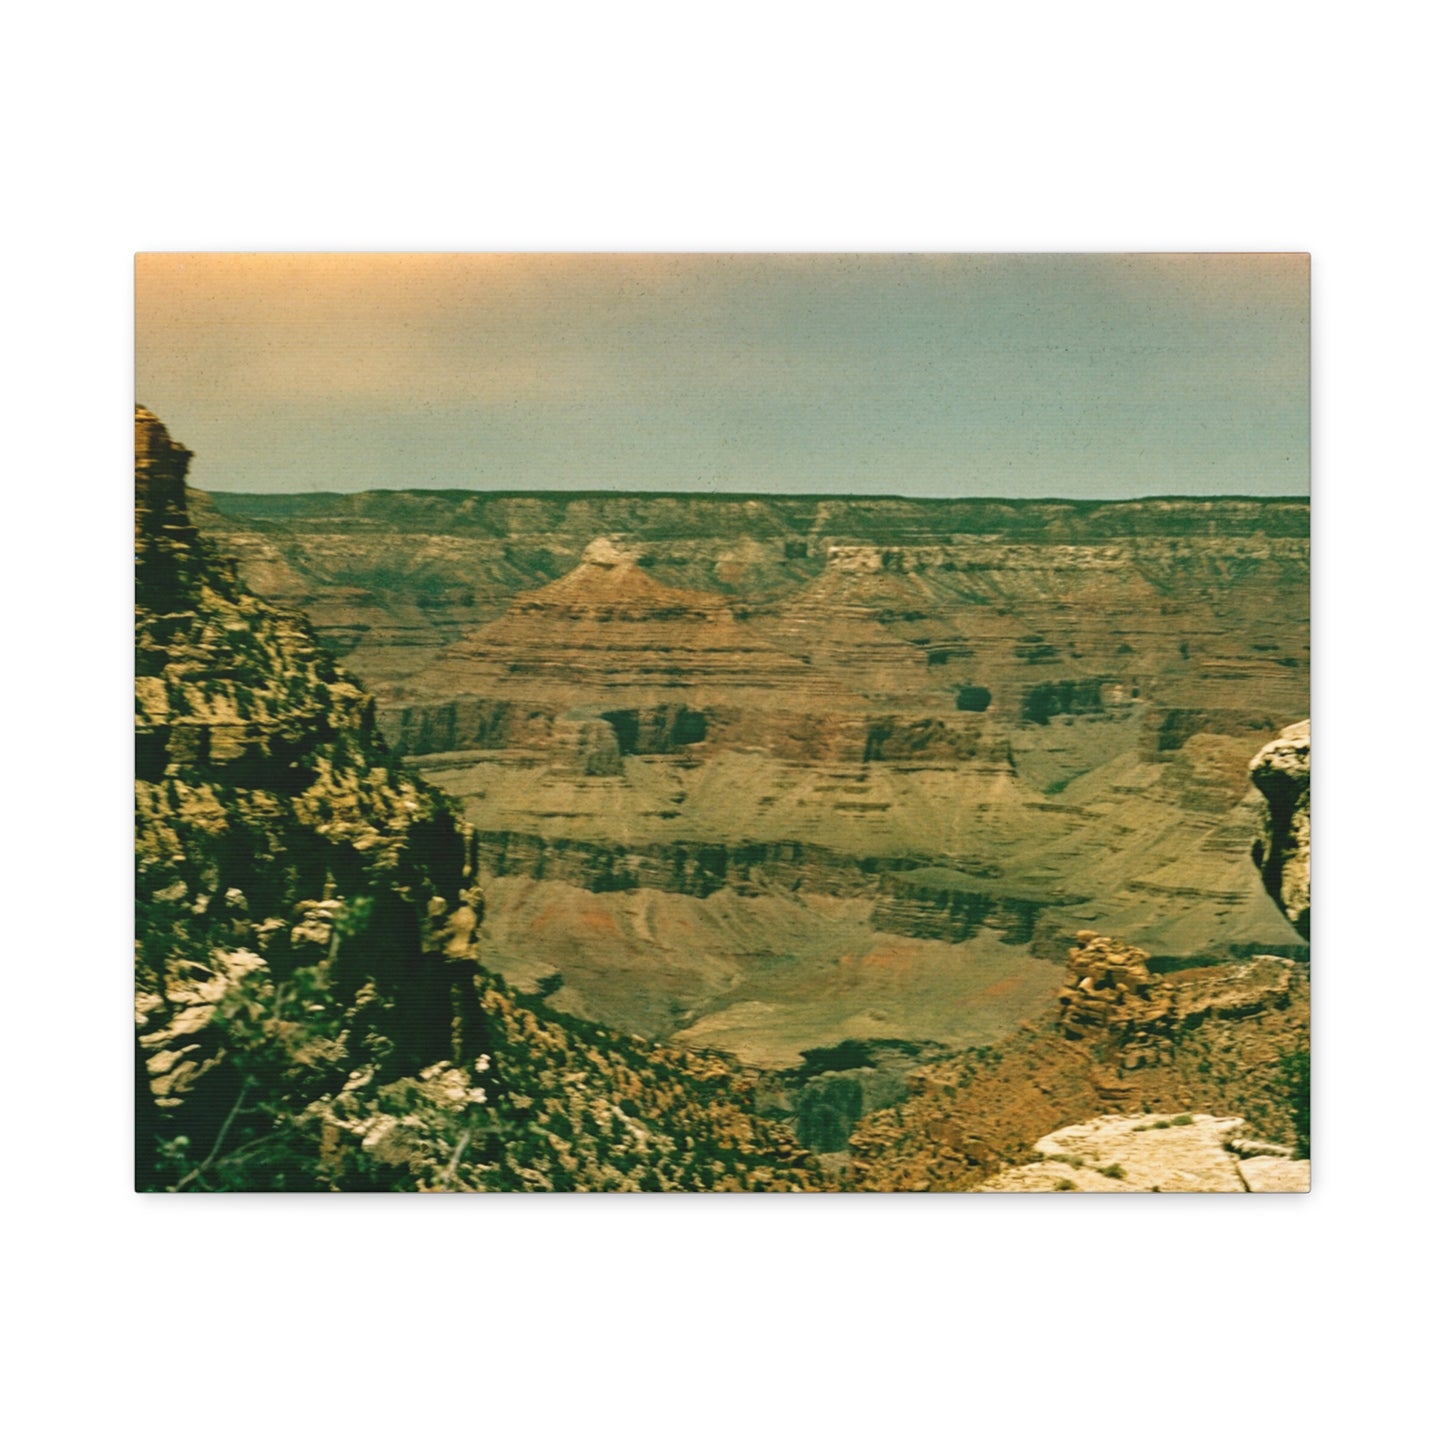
x: 784, y: 776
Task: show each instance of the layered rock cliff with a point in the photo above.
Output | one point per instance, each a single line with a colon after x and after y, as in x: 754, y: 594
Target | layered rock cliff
x: 785, y: 707
x: 264, y: 796
x: 1175, y: 597
x: 310, y: 1011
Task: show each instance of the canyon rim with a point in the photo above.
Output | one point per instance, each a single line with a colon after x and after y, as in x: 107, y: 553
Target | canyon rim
x: 797, y: 723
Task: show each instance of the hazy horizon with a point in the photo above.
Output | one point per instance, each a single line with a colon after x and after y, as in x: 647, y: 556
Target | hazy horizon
x: 1086, y: 377
x: 741, y: 495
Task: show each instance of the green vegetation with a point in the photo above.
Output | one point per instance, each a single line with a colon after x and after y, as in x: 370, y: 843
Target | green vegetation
x: 828, y: 1109
x: 1179, y: 1121
x: 1294, y: 1081
x: 1057, y: 786
x: 854, y: 1054
x: 309, y: 1080
x: 1050, y: 699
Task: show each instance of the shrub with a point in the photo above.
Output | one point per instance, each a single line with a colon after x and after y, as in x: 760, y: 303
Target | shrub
x: 1294, y: 1079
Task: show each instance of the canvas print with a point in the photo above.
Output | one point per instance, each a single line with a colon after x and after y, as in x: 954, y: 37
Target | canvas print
x: 722, y: 723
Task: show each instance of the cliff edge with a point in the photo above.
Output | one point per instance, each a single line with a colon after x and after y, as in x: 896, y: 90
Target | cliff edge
x: 310, y: 1009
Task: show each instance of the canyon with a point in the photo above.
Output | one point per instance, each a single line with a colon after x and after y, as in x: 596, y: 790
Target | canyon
x: 310, y: 1009
x: 811, y: 778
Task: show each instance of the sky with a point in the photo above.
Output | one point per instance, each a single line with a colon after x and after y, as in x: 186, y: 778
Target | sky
x: 1105, y: 375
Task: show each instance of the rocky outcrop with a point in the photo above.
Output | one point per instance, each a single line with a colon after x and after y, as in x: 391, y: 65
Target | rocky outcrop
x: 1269, y: 1175
x: 1150, y: 1153
x: 265, y: 796
x: 1111, y: 995
x: 1281, y: 851
x: 165, y: 540
x: 1132, y: 1016
x: 1228, y: 1041
x: 464, y: 724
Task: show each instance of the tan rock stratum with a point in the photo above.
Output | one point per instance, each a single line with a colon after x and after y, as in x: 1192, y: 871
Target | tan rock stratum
x: 1150, y: 1153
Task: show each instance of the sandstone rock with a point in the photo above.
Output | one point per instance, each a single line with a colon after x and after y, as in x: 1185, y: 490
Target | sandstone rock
x: 1109, y: 992
x: 1275, y: 1176
x: 1235, y: 990
x: 1131, y: 1153
x: 943, y: 903
x: 1111, y: 998
x: 1258, y: 1149
x: 1281, y: 852
x: 316, y: 921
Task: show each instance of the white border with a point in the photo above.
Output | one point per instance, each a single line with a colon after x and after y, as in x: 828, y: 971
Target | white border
x: 1053, y: 127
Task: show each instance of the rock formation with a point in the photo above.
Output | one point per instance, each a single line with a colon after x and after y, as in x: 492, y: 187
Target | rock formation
x: 1110, y: 993
x: 1112, y: 999
x: 1281, y: 772
x: 263, y: 788
x: 310, y: 1010
x: 1226, y: 1040
x: 1154, y: 1153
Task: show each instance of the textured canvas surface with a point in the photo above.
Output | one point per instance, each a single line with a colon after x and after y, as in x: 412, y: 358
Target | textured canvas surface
x: 722, y: 723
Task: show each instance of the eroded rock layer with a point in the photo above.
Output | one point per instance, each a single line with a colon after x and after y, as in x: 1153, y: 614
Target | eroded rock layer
x: 980, y: 725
